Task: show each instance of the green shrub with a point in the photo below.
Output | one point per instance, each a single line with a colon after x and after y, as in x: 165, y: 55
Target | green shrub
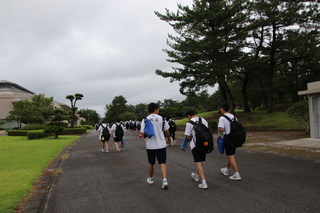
x: 36, y: 134
x: 300, y: 112
x: 34, y: 127
x: 2, y: 129
x: 74, y: 131
x: 83, y: 126
x: 212, y: 125
x: 17, y: 133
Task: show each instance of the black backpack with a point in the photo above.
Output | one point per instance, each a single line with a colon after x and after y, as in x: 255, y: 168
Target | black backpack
x: 173, y: 126
x: 105, y: 132
x: 237, y: 135
x: 204, y: 138
x: 119, y: 131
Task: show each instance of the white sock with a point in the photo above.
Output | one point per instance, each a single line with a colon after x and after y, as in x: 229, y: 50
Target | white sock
x: 203, y: 182
x: 237, y: 174
x: 164, y: 179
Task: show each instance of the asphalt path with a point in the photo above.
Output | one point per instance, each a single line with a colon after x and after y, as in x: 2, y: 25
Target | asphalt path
x: 92, y: 181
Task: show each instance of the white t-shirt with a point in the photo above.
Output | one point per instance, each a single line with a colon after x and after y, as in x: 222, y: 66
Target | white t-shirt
x: 224, y: 123
x: 190, y: 130
x: 158, y: 141
x: 114, y: 127
x: 101, y: 129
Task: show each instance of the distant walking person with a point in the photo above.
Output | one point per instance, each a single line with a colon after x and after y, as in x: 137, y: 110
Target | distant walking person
x: 97, y: 127
x: 198, y: 156
x: 224, y: 126
x: 104, y: 136
x: 117, y: 131
x: 172, y: 130
x: 156, y: 145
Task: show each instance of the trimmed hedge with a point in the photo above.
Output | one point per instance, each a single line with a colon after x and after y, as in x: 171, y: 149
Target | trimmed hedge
x: 84, y: 126
x: 34, y: 127
x: 17, y: 133
x: 36, y: 134
x: 74, y: 131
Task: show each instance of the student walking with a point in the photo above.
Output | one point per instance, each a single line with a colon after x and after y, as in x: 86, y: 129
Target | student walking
x: 225, y: 127
x: 104, y: 136
x: 117, y: 132
x: 172, y: 130
x: 198, y: 156
x: 156, y: 145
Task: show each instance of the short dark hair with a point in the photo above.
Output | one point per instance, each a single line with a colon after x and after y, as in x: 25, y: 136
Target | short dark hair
x: 118, y: 120
x: 225, y: 106
x: 103, y: 121
x: 190, y: 112
x: 152, y: 107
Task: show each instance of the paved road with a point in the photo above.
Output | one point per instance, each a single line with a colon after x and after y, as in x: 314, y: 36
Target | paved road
x: 92, y: 181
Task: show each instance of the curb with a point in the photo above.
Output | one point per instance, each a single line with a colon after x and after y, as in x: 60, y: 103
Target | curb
x: 36, y: 200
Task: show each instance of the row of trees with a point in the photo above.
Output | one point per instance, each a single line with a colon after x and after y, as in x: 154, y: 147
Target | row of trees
x: 119, y: 108
x: 256, y: 51
x: 39, y: 109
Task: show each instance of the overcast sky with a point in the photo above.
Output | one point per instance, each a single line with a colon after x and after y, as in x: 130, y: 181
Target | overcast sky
x: 99, y: 48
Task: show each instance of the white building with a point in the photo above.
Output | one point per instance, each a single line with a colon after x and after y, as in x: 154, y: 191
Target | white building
x: 11, y: 93
x: 313, y: 94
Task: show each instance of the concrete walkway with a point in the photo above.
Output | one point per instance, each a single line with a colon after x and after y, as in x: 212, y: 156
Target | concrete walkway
x: 92, y: 181
x: 303, y: 142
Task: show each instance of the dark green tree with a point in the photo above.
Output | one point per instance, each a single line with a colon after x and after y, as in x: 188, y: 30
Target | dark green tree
x: 117, y: 107
x: 73, y: 99
x: 58, y: 122
x: 210, y: 38
x: 141, y: 110
x: 125, y: 116
x: 34, y: 110
x: 276, y: 27
x: 91, y: 116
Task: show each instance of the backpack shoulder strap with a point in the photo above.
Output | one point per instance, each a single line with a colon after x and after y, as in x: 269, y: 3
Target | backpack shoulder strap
x: 227, y: 118
x: 192, y: 122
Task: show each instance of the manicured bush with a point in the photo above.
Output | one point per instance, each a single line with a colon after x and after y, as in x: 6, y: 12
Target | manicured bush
x: 34, y: 127
x: 36, y: 134
x: 84, y: 126
x: 212, y: 125
x: 17, y: 133
x: 74, y: 131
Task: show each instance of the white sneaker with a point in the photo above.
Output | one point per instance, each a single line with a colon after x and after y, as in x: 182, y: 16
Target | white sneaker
x: 195, y: 176
x: 225, y: 171
x: 107, y: 151
x: 165, y: 184
x: 150, y: 180
x: 235, y: 177
x: 203, y: 186
x: 102, y: 150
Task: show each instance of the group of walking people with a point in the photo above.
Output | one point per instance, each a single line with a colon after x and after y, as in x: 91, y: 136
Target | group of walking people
x: 156, y: 145
x: 163, y: 137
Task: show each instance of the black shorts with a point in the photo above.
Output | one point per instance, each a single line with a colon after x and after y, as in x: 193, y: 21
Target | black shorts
x: 160, y: 154
x: 198, y: 156
x: 229, y: 150
x: 117, y: 139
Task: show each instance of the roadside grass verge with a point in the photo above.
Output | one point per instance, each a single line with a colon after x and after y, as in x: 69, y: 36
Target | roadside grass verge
x: 22, y: 162
x: 257, y: 120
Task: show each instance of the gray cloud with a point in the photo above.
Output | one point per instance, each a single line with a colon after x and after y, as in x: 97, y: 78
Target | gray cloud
x: 101, y: 49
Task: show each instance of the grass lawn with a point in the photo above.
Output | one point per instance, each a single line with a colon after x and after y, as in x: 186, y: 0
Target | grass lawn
x: 22, y: 162
x: 255, y: 120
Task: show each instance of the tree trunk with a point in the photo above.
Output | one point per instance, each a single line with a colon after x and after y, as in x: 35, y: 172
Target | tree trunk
x: 245, y: 104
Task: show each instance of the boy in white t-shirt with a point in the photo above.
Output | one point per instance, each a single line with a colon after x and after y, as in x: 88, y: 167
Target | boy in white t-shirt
x: 225, y: 127
x: 198, y: 157
x: 156, y: 145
